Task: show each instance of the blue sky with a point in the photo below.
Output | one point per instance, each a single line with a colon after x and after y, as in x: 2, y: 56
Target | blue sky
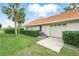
x: 34, y: 11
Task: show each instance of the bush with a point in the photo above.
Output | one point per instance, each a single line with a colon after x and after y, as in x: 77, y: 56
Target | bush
x: 9, y: 30
x: 0, y: 26
x: 71, y: 37
x: 33, y: 33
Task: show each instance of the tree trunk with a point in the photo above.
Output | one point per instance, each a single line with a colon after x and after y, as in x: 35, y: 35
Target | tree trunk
x: 15, y: 28
x: 18, y: 30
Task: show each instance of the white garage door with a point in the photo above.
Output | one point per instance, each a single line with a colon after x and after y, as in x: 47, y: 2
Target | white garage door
x: 56, y: 31
x: 46, y: 30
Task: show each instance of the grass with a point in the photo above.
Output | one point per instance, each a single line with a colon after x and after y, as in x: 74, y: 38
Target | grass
x: 11, y: 44
x: 68, y: 52
x: 1, y: 31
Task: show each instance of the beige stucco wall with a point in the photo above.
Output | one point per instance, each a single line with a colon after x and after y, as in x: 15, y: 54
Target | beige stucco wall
x: 73, y: 26
x: 36, y: 28
x: 46, y: 29
x: 33, y: 28
x: 56, y: 31
x: 29, y: 28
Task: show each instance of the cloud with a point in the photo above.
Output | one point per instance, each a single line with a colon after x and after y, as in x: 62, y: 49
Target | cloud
x: 42, y: 14
x: 42, y: 10
x: 7, y: 23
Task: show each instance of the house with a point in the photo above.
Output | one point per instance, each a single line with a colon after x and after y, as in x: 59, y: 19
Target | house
x: 54, y: 25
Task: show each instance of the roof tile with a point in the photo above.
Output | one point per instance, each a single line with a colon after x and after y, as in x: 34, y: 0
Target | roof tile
x: 63, y: 16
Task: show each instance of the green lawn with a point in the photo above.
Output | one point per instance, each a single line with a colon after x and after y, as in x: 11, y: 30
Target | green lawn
x: 11, y: 44
x: 1, y: 31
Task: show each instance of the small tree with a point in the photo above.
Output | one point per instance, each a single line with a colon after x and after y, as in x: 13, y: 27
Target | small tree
x: 0, y: 26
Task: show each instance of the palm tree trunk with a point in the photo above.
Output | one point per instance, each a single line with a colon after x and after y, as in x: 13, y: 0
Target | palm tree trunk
x: 16, y: 28
x: 18, y: 31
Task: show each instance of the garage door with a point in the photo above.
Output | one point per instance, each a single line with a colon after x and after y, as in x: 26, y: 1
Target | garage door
x: 46, y: 30
x: 56, y: 31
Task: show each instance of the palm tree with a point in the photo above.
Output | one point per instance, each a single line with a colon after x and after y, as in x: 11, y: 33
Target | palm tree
x: 72, y: 6
x: 21, y: 18
x: 67, y: 9
x: 12, y: 11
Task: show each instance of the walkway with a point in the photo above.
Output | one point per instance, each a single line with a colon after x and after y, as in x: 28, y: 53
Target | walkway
x: 54, y: 44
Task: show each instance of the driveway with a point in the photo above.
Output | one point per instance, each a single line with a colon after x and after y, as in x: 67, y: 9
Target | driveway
x: 54, y: 44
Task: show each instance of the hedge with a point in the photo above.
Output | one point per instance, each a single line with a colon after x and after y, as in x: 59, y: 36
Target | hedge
x: 71, y: 37
x: 33, y: 33
x: 9, y: 30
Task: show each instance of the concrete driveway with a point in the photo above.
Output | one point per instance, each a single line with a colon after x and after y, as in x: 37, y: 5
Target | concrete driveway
x: 54, y: 44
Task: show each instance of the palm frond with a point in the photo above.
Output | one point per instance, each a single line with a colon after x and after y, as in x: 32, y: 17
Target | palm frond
x: 16, y: 5
x: 11, y: 5
x: 22, y: 10
x: 21, y: 15
x: 7, y: 11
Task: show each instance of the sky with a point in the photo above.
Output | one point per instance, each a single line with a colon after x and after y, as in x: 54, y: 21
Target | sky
x: 33, y: 11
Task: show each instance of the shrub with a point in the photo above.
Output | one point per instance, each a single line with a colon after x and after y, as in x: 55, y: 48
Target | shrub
x: 33, y: 33
x: 0, y: 26
x: 71, y: 37
x: 9, y: 30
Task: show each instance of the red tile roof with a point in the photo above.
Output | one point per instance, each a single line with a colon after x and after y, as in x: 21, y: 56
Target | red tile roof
x: 66, y: 16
